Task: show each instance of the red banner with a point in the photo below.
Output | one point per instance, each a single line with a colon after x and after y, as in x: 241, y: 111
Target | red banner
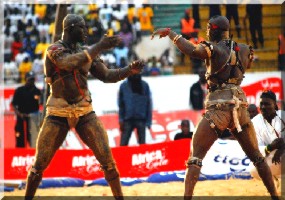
x: 164, y: 128
x: 139, y: 161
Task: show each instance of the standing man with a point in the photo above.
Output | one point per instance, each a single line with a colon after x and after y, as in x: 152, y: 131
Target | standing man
x: 135, y: 108
x: 69, y: 105
x: 270, y: 131
x: 226, y: 62
x: 25, y: 102
x: 198, y: 92
x: 254, y: 15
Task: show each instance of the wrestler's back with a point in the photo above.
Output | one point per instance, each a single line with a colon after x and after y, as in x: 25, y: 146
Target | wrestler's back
x: 219, y: 58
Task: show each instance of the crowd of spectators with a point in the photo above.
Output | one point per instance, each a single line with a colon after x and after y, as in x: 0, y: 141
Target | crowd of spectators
x: 28, y: 30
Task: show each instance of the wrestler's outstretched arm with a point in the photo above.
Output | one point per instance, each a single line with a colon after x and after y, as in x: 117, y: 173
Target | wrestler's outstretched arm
x: 100, y: 71
x: 200, y: 51
x: 65, y: 60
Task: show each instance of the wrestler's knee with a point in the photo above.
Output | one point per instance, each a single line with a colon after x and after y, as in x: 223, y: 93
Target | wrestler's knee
x: 110, y: 171
x: 256, y: 158
x: 194, y: 161
x: 35, y: 173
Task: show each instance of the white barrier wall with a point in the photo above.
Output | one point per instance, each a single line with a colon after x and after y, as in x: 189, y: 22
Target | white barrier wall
x: 171, y: 93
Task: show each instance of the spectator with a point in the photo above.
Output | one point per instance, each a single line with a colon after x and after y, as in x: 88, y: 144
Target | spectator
x: 254, y: 15
x: 38, y: 68
x: 131, y: 13
x: 40, y: 10
x: 16, y: 45
x: 121, y: 52
x: 126, y: 34
x: 29, y: 46
x: 119, y: 13
x: 135, y: 108
x: 185, y: 130
x: 187, y: 28
x: 136, y: 28
x: 24, y: 68
x: 42, y: 47
x: 252, y: 110
x: 270, y: 132
x: 198, y: 92
x: 26, y: 104
x: 232, y: 12
x: 281, y: 52
x: 21, y: 56
x: 145, y: 15
x: 105, y: 15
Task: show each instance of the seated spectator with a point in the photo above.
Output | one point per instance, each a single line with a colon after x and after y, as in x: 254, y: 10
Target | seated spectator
x: 21, y: 56
x: 40, y: 10
x: 38, y: 67
x: 24, y: 68
x: 119, y: 13
x: 185, y: 130
x: 41, y: 47
x: 16, y: 45
x: 126, y: 34
x: 105, y: 15
x: 145, y: 15
x: 269, y: 126
x: 29, y: 46
x: 253, y: 111
x: 154, y: 67
x: 136, y: 28
x: 121, y: 52
x: 11, y: 73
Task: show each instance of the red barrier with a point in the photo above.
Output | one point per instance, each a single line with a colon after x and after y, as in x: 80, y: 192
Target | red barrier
x: 139, y: 161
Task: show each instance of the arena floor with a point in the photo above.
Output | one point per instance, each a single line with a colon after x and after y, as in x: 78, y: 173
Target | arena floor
x: 234, y: 187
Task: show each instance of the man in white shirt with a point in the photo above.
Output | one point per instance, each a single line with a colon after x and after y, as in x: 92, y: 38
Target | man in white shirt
x: 270, y: 132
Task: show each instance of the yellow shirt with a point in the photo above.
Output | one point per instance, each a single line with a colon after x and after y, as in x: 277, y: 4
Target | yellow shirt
x: 41, y: 48
x: 24, y: 68
x: 40, y: 10
x: 145, y: 15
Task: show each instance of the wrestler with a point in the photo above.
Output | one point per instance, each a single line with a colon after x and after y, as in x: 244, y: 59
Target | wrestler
x: 226, y: 104
x: 67, y: 64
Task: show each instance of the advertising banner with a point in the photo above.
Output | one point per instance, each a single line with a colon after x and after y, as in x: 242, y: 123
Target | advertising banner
x: 224, y: 157
x: 139, y: 161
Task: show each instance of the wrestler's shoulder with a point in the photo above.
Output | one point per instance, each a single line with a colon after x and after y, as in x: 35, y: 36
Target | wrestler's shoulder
x: 55, y: 46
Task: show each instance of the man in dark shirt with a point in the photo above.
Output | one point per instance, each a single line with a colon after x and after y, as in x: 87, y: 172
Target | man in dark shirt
x: 185, y: 130
x: 198, y: 92
x: 25, y: 103
x: 135, y: 108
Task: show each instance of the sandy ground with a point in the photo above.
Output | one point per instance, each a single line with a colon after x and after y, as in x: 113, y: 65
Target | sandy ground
x: 203, y: 188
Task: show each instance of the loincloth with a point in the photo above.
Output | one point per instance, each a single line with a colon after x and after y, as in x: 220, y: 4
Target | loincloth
x: 71, y: 112
x: 227, y: 108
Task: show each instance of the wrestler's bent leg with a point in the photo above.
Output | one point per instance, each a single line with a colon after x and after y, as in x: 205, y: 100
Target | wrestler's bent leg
x: 248, y: 142
x: 51, y: 136
x: 92, y: 133
x: 203, y: 139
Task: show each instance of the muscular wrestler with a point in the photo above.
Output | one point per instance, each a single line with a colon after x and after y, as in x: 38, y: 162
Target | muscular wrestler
x: 69, y: 105
x: 226, y: 104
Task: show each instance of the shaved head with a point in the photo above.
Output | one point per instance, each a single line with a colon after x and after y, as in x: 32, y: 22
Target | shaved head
x: 71, y: 20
